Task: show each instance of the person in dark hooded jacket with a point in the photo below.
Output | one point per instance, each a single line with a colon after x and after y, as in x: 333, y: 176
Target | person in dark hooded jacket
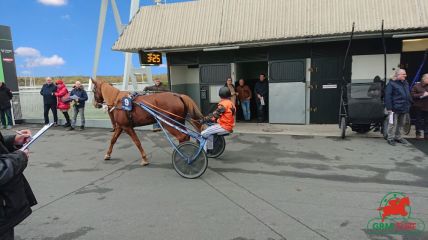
x: 261, y: 91
x: 16, y: 196
x: 5, y: 106
x: 49, y: 100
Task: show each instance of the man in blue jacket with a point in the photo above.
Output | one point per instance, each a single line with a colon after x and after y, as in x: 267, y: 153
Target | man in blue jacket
x: 49, y: 100
x: 397, y: 103
x: 79, y: 96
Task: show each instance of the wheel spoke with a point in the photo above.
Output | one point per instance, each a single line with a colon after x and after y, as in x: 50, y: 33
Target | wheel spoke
x: 196, y: 168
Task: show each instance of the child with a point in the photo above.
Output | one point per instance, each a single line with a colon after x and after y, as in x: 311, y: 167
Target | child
x: 224, y: 116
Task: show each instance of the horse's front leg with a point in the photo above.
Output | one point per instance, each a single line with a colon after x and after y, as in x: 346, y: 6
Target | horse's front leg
x: 116, y: 134
x: 137, y: 143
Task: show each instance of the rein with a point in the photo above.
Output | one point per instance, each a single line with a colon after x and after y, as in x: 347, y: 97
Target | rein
x: 165, y: 111
x: 113, y: 107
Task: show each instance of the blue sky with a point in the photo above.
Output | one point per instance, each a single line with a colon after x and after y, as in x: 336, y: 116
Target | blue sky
x: 57, y: 37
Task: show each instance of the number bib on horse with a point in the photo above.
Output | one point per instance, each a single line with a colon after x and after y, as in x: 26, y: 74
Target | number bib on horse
x: 127, y: 104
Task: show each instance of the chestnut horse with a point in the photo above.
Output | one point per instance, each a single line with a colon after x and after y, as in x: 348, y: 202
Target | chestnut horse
x: 175, y: 106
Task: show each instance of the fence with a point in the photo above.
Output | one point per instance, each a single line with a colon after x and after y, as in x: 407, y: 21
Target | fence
x: 32, y: 106
x: 31, y: 103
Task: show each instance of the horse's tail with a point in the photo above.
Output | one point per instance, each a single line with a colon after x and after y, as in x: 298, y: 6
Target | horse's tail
x: 193, y: 111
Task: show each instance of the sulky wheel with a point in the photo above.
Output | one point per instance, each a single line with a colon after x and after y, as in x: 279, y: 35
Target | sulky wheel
x: 181, y: 164
x: 219, y: 144
x: 343, y: 127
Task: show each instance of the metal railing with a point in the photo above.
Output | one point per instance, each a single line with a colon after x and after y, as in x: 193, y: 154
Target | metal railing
x: 32, y: 106
x: 32, y: 103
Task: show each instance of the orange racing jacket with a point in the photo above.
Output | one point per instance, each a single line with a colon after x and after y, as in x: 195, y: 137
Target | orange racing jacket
x: 223, y: 115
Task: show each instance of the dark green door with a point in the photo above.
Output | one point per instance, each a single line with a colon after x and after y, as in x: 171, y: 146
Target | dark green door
x: 325, y: 90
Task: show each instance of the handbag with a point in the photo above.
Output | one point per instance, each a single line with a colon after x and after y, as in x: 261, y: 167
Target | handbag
x: 66, y: 98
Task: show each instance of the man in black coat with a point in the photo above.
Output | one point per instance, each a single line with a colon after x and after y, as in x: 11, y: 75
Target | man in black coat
x: 16, y: 196
x: 49, y: 100
x: 5, y: 106
x: 261, y: 90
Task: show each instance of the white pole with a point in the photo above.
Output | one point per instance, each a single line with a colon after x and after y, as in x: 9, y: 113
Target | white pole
x: 128, y: 56
x: 101, y: 22
x: 119, y: 26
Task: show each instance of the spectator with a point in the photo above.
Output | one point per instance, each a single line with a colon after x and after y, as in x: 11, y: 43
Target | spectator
x: 420, y: 98
x: 63, y: 101
x: 79, y: 96
x: 397, y: 103
x: 244, y: 96
x: 16, y: 195
x: 231, y: 87
x: 223, y: 116
x: 49, y: 100
x: 377, y: 88
x: 261, y: 90
x: 158, y: 87
x: 5, y: 106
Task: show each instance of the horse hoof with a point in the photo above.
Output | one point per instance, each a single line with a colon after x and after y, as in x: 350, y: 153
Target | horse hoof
x: 107, y: 157
x: 144, y: 163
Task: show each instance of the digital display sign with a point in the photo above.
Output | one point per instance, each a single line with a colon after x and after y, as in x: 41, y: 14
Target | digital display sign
x: 150, y: 58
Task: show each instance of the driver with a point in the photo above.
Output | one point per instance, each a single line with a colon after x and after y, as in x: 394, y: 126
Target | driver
x: 223, y: 116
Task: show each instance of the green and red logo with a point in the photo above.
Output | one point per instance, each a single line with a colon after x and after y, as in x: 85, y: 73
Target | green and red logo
x: 395, y: 216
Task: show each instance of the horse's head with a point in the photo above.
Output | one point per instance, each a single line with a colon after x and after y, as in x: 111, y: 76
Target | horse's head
x: 98, y: 96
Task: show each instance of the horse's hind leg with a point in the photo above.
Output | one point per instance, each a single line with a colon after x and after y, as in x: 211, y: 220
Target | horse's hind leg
x: 116, y: 134
x: 137, y: 143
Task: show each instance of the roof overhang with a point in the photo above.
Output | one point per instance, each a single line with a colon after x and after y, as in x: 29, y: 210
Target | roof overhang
x: 303, y: 40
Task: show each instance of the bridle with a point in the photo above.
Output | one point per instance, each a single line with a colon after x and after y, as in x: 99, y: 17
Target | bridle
x: 97, y: 100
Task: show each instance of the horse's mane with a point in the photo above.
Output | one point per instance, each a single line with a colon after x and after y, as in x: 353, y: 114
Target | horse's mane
x: 109, y: 92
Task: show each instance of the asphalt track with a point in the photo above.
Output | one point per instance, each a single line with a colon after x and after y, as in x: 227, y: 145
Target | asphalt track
x: 263, y: 187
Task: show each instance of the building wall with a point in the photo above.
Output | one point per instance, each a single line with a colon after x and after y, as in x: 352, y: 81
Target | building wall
x: 185, y: 80
x: 364, y: 62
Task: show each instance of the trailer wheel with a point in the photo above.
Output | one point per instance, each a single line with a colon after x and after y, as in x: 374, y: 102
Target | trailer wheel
x: 343, y: 127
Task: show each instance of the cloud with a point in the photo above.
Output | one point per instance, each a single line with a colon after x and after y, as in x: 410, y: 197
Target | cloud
x: 66, y: 17
x: 56, y: 3
x: 55, y: 60
x: 27, y: 52
x: 33, y: 58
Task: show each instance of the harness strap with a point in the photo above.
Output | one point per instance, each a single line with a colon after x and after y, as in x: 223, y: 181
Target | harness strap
x: 165, y: 111
x: 130, y: 119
